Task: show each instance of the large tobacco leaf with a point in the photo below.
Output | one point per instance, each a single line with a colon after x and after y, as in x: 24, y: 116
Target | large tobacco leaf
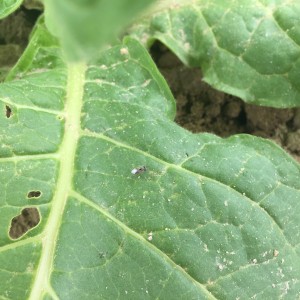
x: 210, y: 218
x: 247, y: 48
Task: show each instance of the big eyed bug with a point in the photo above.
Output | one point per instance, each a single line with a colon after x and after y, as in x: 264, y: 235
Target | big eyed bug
x: 138, y: 170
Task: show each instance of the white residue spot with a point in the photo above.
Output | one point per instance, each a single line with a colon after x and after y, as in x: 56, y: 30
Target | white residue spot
x: 29, y: 268
x: 124, y: 51
x: 186, y: 46
x: 205, y: 248
x: 226, y: 203
x: 285, y: 288
x: 182, y: 34
x: 150, y: 236
x: 146, y: 83
x: 280, y: 273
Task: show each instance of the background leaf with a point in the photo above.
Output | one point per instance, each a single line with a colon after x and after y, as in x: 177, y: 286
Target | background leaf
x: 8, y: 6
x: 211, y: 218
x: 249, y: 49
x: 40, y: 39
x: 84, y: 26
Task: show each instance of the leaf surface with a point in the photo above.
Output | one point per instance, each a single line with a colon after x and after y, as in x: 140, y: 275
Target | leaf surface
x: 210, y: 218
x: 8, y: 6
x: 247, y: 48
x: 85, y: 26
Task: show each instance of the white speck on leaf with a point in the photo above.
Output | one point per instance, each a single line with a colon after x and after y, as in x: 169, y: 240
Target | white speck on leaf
x: 186, y: 46
x: 205, y: 248
x: 124, y: 51
x: 285, y: 288
x: 146, y: 83
x: 150, y: 236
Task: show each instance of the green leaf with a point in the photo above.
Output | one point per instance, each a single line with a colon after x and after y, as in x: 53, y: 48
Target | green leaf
x: 40, y: 38
x: 246, y: 48
x: 8, y: 6
x: 210, y: 218
x: 83, y: 26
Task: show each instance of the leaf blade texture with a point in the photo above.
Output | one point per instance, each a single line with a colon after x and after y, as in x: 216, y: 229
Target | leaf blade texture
x: 8, y: 6
x: 249, y: 49
x: 210, y: 218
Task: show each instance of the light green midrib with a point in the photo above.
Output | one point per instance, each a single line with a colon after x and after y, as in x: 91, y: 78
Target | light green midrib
x: 64, y: 183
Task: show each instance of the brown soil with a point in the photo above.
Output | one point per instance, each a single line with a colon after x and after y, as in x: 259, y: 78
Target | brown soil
x: 200, y: 108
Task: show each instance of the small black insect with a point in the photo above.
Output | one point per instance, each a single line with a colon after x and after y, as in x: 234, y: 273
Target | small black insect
x: 138, y: 170
x: 8, y: 111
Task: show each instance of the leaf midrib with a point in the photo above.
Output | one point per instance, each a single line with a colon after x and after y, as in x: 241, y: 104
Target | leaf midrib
x: 75, y: 88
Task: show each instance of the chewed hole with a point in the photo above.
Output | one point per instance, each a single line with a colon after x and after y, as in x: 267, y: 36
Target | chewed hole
x: 34, y: 194
x: 28, y: 219
x: 8, y: 112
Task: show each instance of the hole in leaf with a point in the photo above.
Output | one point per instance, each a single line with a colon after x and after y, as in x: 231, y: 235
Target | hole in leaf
x: 8, y: 112
x: 34, y: 194
x: 28, y: 219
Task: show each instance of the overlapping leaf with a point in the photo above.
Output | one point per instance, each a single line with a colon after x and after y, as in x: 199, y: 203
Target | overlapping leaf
x: 247, y: 48
x: 209, y: 219
x: 84, y: 26
x: 8, y: 6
